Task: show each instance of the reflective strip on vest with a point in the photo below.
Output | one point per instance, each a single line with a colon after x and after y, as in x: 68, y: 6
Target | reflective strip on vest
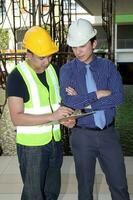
x: 32, y: 84
x: 46, y: 130
x: 40, y: 110
x: 55, y: 84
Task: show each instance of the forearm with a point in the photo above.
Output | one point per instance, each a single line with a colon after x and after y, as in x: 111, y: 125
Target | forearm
x: 20, y: 117
x: 78, y: 101
x: 110, y: 101
x: 32, y: 120
x: 104, y: 99
x: 23, y: 119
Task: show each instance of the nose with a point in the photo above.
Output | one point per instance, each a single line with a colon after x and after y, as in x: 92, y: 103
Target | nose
x: 46, y: 59
x: 78, y: 50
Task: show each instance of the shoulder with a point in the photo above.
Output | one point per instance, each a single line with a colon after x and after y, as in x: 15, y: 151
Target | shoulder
x: 15, y: 83
x: 14, y: 79
x: 56, y: 69
x: 70, y: 63
x: 67, y: 70
x: 104, y: 61
x: 69, y: 66
x: 14, y: 75
x: 104, y: 64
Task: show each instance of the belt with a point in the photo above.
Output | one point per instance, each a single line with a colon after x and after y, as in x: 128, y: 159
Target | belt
x: 96, y: 128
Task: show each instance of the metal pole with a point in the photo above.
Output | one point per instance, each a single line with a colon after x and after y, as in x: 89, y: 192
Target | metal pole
x: 34, y: 12
x: 113, y: 30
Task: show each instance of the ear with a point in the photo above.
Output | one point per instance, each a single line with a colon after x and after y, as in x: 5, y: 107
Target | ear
x: 94, y: 44
x: 29, y: 55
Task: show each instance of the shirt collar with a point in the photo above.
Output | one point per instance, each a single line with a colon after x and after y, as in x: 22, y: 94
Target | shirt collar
x: 82, y: 65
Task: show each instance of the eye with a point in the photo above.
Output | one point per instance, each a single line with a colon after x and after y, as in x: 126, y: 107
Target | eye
x: 41, y: 58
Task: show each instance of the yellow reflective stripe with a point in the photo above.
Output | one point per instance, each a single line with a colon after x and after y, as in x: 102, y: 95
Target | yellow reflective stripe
x: 55, y: 83
x: 38, y: 139
x: 40, y: 129
x: 57, y: 135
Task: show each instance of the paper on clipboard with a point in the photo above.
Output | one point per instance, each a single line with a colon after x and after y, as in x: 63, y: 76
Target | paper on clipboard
x: 75, y: 115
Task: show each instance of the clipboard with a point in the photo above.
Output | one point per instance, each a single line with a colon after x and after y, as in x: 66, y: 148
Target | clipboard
x: 75, y: 115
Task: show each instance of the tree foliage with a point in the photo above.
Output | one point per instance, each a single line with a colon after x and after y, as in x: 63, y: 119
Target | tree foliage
x: 4, y: 38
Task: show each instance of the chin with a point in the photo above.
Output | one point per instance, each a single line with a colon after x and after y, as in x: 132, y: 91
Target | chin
x: 82, y: 59
x: 44, y: 66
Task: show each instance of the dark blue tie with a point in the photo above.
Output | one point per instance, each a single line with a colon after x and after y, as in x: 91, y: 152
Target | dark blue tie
x: 99, y: 116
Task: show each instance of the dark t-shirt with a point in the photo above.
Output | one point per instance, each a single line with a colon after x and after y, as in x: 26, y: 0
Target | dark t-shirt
x: 17, y: 87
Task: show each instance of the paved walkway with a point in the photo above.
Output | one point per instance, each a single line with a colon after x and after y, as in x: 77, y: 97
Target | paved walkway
x: 11, y: 184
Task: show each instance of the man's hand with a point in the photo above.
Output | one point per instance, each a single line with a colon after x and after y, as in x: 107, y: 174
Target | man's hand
x: 71, y: 91
x: 70, y: 123
x: 103, y: 93
x: 61, y: 112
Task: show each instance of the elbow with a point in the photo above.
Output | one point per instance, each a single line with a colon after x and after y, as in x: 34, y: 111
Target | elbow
x: 14, y: 122
x: 120, y: 99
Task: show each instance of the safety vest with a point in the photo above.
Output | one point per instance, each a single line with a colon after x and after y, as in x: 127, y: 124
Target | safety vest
x: 41, y: 101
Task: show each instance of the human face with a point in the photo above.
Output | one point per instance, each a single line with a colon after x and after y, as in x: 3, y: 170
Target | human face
x: 39, y: 64
x: 85, y: 53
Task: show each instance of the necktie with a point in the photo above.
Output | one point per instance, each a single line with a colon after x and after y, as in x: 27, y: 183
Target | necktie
x: 99, y: 116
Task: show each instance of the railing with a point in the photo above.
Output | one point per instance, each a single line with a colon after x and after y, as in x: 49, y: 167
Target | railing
x: 5, y: 60
x: 125, y: 43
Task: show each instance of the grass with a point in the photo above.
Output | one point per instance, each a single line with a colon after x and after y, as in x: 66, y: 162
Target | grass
x: 124, y: 121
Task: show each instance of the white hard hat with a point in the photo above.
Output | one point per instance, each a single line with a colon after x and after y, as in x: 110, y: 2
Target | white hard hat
x: 80, y: 32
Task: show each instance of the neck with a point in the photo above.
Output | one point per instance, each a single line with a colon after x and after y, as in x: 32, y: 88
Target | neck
x: 89, y: 59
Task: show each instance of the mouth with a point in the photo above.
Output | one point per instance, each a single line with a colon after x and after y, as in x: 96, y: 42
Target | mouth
x: 45, y: 64
x: 80, y: 57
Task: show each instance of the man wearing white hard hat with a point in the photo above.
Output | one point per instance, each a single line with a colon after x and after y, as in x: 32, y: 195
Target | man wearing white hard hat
x: 92, y: 83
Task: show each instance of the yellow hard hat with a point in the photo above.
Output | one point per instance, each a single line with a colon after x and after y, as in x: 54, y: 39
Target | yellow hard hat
x: 39, y: 42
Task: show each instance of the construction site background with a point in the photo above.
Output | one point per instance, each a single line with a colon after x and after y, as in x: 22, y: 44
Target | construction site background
x: 17, y: 16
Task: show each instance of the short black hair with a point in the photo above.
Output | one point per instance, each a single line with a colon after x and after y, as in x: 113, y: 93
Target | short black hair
x: 92, y: 39
x: 29, y: 51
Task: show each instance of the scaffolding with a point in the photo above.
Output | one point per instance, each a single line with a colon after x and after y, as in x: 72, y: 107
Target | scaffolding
x: 108, y: 21
x: 18, y: 15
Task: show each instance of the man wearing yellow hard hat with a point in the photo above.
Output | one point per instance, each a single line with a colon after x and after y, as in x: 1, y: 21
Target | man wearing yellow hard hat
x: 34, y: 104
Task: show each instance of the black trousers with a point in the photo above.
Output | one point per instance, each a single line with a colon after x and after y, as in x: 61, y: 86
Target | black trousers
x: 89, y: 145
